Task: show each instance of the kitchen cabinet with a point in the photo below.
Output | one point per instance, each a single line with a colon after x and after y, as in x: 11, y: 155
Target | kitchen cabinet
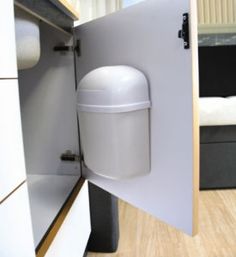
x: 134, y: 37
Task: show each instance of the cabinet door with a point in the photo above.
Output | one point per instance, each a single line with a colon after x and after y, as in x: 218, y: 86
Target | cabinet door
x: 16, y: 235
x: 145, y: 36
x: 12, y: 171
x: 8, y: 68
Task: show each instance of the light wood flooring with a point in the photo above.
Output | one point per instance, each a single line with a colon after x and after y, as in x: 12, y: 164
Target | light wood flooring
x: 141, y: 235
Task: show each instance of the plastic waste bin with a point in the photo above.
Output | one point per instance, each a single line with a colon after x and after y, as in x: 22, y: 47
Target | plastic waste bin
x: 113, y: 108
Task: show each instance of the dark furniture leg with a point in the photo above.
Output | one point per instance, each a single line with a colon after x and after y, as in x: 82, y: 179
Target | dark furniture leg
x: 104, y: 221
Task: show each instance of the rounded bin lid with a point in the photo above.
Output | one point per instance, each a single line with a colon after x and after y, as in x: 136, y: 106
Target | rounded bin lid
x: 113, y: 89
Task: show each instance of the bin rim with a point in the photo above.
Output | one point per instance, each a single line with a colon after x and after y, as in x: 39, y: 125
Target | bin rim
x: 114, y: 108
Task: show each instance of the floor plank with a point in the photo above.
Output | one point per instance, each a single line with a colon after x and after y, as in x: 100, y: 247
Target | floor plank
x: 141, y: 235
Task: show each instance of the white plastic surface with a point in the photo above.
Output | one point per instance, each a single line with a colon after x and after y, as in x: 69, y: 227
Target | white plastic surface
x: 72, y: 238
x: 113, y: 89
x: 12, y: 171
x: 27, y: 40
x: 8, y: 67
x: 217, y: 111
x: 116, y: 145
x: 16, y: 237
x: 145, y: 36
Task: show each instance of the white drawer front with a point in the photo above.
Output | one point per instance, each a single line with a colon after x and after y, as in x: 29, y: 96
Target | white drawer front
x: 71, y: 239
x: 12, y: 171
x: 16, y: 237
x: 8, y: 66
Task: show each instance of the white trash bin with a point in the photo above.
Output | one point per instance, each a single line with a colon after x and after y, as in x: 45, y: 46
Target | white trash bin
x: 113, y: 108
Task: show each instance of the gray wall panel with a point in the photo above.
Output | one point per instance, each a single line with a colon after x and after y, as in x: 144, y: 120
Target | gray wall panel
x: 48, y: 106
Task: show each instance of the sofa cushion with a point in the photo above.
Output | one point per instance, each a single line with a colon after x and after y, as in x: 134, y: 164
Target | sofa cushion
x: 217, y: 111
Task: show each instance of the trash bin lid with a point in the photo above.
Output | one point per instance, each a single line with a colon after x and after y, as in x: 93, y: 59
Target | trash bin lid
x: 112, y: 89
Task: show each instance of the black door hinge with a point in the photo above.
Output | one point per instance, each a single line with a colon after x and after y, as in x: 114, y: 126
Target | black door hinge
x: 66, y: 48
x: 69, y: 156
x: 184, y: 32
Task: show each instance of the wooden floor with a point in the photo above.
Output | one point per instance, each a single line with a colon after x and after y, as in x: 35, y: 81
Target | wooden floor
x: 143, y: 236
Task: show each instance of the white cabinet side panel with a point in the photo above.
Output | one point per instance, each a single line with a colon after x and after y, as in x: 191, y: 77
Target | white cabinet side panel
x: 12, y: 170
x: 71, y: 239
x: 16, y: 237
x: 8, y: 64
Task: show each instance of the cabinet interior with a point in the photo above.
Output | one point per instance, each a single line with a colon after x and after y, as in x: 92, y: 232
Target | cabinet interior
x: 49, y: 123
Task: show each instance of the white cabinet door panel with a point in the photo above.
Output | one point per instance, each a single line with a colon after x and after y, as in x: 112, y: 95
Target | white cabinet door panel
x: 16, y: 237
x: 145, y: 36
x: 71, y: 239
x: 12, y: 171
x: 8, y: 64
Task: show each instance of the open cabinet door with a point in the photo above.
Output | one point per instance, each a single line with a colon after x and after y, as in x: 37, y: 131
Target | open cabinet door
x: 145, y: 36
